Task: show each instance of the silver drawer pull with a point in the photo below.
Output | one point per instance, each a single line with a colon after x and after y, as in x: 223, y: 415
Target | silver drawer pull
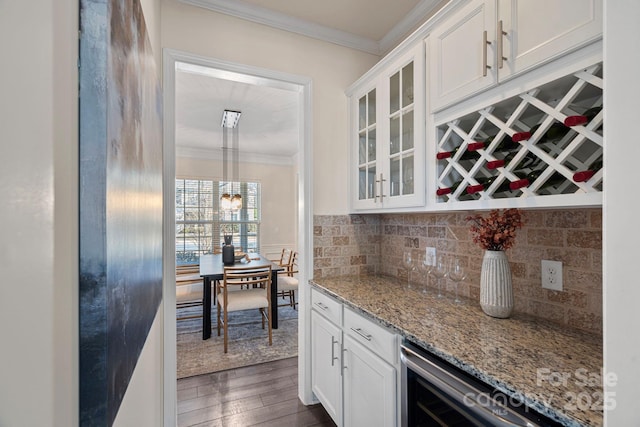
x: 322, y: 306
x: 362, y: 334
x: 333, y: 357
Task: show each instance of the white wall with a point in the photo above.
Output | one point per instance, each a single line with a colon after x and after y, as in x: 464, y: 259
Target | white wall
x: 38, y: 180
x: 279, y: 203
x: 142, y: 403
x: 39, y: 213
x: 620, y: 218
x: 333, y: 68
x: 152, y: 15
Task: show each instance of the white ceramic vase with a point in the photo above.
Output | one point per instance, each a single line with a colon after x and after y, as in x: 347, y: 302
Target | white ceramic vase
x: 496, y: 290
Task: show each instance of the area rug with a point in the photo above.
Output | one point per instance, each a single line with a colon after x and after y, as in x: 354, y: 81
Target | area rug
x: 248, y: 342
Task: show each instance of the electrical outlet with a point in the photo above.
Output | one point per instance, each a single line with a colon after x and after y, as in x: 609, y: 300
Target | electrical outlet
x: 430, y: 253
x: 552, y: 275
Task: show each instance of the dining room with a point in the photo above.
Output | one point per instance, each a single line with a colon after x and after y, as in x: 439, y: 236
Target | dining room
x: 254, y: 161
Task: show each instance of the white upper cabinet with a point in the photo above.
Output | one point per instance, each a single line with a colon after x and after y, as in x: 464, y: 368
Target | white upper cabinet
x: 489, y: 41
x: 387, y: 134
x: 535, y: 31
x: 477, y: 72
x: 462, y: 53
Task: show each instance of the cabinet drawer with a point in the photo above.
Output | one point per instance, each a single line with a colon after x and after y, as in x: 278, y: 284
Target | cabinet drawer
x: 373, y: 336
x: 327, y: 306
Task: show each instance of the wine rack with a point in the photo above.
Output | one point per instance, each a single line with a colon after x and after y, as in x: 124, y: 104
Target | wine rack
x: 520, y: 147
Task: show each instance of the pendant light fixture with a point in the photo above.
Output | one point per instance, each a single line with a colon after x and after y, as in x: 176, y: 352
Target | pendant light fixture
x: 229, y: 125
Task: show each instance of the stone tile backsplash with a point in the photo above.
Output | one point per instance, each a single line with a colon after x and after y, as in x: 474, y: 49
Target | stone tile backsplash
x: 358, y: 244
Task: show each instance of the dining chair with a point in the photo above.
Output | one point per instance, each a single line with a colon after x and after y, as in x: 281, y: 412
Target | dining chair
x: 285, y: 258
x: 232, y: 295
x: 287, y: 282
x: 188, y: 289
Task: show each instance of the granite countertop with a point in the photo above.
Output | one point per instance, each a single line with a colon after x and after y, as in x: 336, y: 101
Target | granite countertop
x: 553, y: 369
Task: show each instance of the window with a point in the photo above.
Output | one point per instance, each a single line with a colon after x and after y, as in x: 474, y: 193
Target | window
x: 201, y: 225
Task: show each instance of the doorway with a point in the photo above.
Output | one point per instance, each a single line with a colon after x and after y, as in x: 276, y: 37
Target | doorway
x: 244, y: 75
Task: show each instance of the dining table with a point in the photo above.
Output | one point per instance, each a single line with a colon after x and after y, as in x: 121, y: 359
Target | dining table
x: 212, y: 272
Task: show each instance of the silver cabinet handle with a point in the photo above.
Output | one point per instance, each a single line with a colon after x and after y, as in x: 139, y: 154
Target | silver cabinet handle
x: 500, y: 38
x: 485, y: 43
x: 322, y: 306
x: 362, y: 334
x: 379, y: 182
x: 375, y: 190
x: 344, y: 359
x: 333, y: 356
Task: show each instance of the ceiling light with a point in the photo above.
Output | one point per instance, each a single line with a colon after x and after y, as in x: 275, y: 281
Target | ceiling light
x: 236, y: 202
x: 225, y: 202
x: 230, y: 118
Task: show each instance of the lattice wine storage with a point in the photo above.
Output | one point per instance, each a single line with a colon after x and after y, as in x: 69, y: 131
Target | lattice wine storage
x: 546, y: 142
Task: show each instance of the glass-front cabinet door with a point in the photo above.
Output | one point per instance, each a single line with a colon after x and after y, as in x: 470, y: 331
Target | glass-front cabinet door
x: 404, y: 159
x: 388, y: 136
x: 401, y: 145
x: 367, y: 148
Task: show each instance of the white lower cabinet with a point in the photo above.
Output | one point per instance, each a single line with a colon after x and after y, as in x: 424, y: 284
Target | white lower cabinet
x: 369, y: 387
x: 353, y: 367
x: 326, y: 361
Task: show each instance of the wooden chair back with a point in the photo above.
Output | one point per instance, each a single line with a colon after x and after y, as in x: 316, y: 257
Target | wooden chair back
x: 285, y: 258
x: 292, y: 267
x: 251, y: 277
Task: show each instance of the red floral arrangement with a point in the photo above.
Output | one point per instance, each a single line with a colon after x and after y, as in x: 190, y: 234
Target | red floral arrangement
x: 497, y: 231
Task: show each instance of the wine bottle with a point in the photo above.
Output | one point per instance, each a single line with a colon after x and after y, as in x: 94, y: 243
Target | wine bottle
x: 507, y: 144
x: 553, y: 180
x: 527, y: 162
x: 448, y: 190
x: 484, y: 183
x: 583, y: 118
x: 524, y: 136
x: 475, y: 146
x: 467, y: 155
x: 585, y: 175
x: 555, y: 132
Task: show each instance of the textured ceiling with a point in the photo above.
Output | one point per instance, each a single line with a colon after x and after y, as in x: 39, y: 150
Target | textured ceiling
x: 268, y: 125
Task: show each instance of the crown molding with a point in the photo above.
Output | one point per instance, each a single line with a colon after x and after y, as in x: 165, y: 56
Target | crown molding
x: 412, y: 20
x: 284, y: 22
x: 216, y: 154
x: 261, y: 15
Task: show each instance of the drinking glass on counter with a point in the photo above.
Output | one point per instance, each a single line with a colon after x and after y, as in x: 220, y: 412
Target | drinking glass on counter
x: 439, y: 270
x: 409, y: 265
x: 457, y: 274
x: 426, y: 265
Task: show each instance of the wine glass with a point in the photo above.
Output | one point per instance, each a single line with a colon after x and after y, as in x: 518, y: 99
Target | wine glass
x: 439, y: 270
x: 407, y: 261
x: 426, y: 264
x: 457, y: 274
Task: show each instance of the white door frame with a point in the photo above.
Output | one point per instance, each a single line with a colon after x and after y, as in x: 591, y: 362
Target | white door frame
x: 299, y: 84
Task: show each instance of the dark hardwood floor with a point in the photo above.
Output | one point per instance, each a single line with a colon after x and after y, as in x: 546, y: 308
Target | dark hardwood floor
x: 260, y: 395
